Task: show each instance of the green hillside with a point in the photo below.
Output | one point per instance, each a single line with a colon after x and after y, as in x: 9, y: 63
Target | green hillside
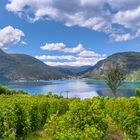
x: 25, y: 67
x: 129, y: 61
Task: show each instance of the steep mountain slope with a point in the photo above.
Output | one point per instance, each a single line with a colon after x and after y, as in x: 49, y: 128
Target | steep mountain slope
x: 25, y: 67
x: 129, y: 61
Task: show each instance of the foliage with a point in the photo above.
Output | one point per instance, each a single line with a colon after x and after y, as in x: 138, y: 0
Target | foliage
x: 51, y: 95
x: 7, y: 91
x: 84, y: 120
x: 114, y: 78
x: 68, y: 119
x: 137, y: 91
x: 20, y: 115
x: 126, y: 113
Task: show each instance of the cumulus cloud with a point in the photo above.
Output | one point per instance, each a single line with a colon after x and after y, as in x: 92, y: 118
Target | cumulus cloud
x: 122, y: 37
x: 62, y: 47
x: 78, y: 48
x: 78, y: 62
x: 98, y: 15
x: 62, y: 57
x: 10, y: 36
x: 90, y: 54
x: 53, y: 46
x: 128, y: 18
x: 71, y: 60
x: 80, y: 56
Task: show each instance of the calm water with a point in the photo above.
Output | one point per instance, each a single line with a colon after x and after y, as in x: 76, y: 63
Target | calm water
x: 73, y: 88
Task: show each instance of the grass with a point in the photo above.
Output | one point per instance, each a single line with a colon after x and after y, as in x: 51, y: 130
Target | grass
x: 114, y: 132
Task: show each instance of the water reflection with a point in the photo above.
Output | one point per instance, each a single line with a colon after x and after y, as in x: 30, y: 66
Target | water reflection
x: 73, y: 88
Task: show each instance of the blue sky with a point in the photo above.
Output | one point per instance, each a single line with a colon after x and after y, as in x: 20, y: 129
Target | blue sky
x: 64, y: 33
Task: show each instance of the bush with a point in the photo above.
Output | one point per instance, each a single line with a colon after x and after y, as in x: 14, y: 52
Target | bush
x: 83, y: 120
x: 70, y: 119
x: 126, y: 113
x: 7, y: 91
x: 21, y: 115
x: 137, y: 91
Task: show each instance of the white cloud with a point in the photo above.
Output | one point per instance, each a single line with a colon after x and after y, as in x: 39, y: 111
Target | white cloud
x: 76, y: 61
x: 62, y: 47
x: 53, y: 46
x: 128, y: 18
x: 125, y: 37
x: 23, y: 43
x: 81, y: 62
x: 77, y: 49
x: 62, y: 57
x: 98, y: 15
x: 80, y: 57
x: 90, y: 54
x: 122, y: 37
x: 10, y: 36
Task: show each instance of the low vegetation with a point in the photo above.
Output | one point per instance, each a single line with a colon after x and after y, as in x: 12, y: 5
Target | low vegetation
x: 7, y: 91
x: 137, y: 91
x: 40, y: 117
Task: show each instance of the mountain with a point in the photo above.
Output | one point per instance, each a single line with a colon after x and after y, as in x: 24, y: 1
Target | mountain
x: 129, y: 61
x: 25, y: 67
x: 73, y: 70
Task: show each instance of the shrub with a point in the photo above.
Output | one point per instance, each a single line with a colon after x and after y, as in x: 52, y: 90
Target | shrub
x: 137, y: 91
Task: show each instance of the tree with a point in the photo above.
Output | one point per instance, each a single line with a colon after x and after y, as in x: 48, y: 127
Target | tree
x: 114, y: 78
x: 137, y: 91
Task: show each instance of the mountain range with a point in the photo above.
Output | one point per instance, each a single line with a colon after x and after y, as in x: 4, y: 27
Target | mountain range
x: 129, y: 62
x: 25, y: 67
x: 73, y: 70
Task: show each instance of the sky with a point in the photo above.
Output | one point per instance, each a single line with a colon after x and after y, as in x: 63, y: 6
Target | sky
x: 74, y: 33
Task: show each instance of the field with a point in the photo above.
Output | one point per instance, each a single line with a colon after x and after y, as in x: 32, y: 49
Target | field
x: 41, y: 117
